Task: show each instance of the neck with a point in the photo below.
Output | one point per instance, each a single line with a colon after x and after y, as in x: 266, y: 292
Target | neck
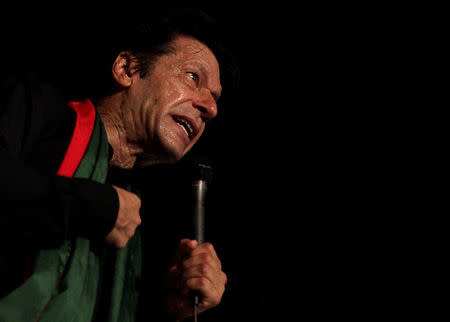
x: 110, y: 111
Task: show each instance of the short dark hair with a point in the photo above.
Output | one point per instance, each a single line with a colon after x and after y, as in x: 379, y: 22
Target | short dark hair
x: 147, y: 36
x: 77, y: 55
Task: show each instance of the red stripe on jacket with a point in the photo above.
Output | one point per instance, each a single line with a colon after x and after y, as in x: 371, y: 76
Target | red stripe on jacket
x: 81, y: 136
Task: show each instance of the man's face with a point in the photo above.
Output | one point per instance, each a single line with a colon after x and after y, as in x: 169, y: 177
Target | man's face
x: 169, y: 107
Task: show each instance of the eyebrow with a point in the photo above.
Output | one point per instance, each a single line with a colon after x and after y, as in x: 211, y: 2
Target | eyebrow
x: 216, y: 94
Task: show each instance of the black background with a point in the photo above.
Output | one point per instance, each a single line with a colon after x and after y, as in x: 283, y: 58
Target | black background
x: 322, y: 203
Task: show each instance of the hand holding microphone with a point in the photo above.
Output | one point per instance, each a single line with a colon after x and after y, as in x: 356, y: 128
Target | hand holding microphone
x: 196, y: 268
x: 203, y: 175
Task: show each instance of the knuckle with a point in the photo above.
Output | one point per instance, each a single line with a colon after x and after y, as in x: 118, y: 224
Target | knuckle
x: 202, y: 282
x: 206, y: 258
x: 138, y: 202
x: 208, y: 246
x: 130, y: 232
x: 204, y: 268
x: 224, y: 278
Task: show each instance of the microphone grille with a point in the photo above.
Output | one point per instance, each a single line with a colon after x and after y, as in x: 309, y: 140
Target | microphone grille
x: 200, y: 168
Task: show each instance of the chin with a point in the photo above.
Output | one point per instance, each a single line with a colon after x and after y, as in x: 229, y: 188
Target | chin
x: 174, y: 151
x: 164, y: 157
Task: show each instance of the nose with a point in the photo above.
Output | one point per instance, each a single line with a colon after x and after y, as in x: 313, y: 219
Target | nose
x: 206, y: 104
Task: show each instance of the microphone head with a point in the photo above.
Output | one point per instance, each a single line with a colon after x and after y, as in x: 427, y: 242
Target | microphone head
x: 200, y: 168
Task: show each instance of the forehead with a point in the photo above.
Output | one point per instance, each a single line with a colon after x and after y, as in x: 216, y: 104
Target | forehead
x: 190, y: 50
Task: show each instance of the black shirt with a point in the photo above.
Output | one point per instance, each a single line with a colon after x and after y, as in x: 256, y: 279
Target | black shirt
x: 39, y: 208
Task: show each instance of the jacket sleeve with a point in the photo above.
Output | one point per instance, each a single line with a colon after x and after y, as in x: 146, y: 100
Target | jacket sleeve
x: 39, y: 208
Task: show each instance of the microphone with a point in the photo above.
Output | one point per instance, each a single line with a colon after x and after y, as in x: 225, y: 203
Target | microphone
x: 202, y: 176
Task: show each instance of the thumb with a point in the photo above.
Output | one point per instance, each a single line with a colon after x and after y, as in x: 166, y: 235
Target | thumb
x: 185, y: 248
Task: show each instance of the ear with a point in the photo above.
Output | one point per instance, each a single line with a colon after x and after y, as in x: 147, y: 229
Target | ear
x: 121, y: 69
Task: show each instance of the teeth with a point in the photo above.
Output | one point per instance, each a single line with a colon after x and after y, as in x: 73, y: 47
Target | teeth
x: 186, y: 126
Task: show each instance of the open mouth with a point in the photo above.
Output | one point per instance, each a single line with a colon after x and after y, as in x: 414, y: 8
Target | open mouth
x: 185, y: 125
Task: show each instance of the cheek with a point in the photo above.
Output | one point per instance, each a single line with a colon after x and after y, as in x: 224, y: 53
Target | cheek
x: 174, y: 93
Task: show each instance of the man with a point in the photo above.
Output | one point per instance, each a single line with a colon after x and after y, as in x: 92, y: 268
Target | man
x: 64, y: 213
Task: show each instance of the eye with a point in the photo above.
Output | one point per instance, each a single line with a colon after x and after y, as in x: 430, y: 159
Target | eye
x: 193, y: 76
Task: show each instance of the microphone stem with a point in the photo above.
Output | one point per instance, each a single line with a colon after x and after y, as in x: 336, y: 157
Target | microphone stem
x: 199, y: 187
x: 195, y: 308
x: 199, y: 210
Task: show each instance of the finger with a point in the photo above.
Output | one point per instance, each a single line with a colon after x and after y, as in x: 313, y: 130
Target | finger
x: 205, y: 248
x: 216, y: 277
x: 202, y: 258
x: 137, y: 219
x: 116, y: 238
x: 185, y: 248
x: 210, y: 294
x: 130, y: 231
x: 202, y: 270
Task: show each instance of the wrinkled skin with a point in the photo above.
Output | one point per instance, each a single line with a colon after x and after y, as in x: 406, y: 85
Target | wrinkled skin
x: 195, y: 268
x: 142, y: 120
x: 158, y: 119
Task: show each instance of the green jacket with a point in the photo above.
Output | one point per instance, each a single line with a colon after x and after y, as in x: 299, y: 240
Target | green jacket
x: 63, y: 283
